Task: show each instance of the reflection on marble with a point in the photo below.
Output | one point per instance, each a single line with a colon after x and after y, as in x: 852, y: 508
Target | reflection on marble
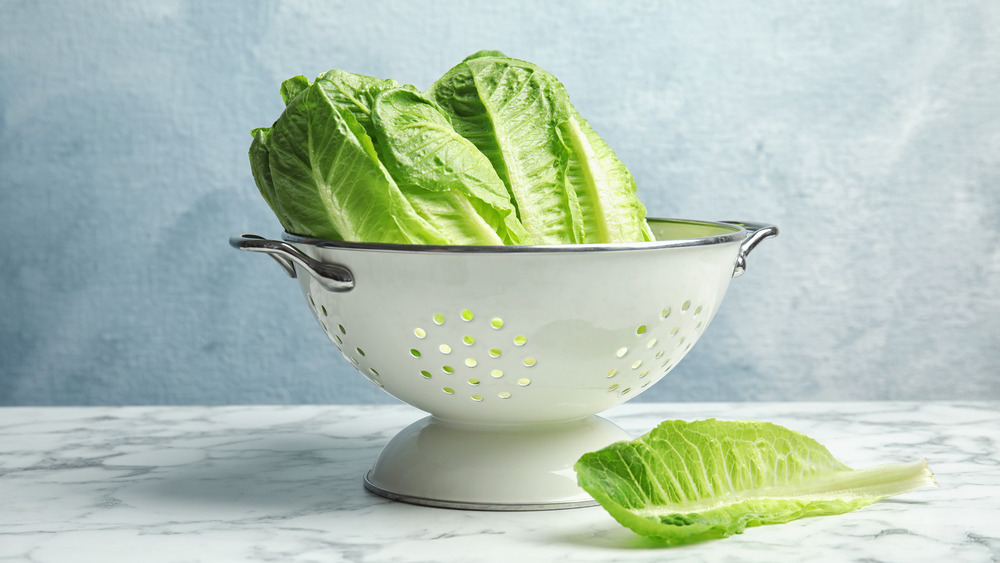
x: 284, y: 484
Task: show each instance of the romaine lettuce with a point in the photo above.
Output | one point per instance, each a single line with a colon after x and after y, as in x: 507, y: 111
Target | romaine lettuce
x: 687, y: 482
x: 328, y: 181
x: 566, y: 183
x: 494, y: 153
x: 446, y: 179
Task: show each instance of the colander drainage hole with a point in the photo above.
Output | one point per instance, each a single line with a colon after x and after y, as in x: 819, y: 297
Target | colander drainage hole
x: 496, y: 323
x: 529, y: 362
x: 438, y: 319
x: 497, y: 373
x: 420, y: 333
x: 468, y: 340
x: 426, y: 374
x: 413, y: 351
x: 686, y: 306
x: 471, y: 362
x: 448, y: 369
x: 445, y: 349
x: 524, y: 382
x: 467, y: 315
x: 621, y: 352
x: 520, y: 340
x: 640, y: 330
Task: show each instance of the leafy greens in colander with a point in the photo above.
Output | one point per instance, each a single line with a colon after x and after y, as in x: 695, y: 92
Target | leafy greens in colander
x: 687, y: 482
x: 493, y: 153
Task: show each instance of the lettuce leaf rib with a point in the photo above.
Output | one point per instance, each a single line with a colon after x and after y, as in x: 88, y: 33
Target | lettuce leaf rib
x: 604, y: 187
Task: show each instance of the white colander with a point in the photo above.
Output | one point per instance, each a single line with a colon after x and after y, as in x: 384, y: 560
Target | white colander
x: 512, y: 349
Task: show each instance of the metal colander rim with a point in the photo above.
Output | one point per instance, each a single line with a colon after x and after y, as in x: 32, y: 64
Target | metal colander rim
x: 738, y: 233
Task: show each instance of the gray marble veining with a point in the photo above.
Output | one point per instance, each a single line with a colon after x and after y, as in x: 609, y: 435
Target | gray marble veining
x: 284, y: 484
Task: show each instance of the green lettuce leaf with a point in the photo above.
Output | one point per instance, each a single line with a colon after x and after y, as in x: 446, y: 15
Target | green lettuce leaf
x: 688, y: 482
x: 345, y: 90
x: 511, y: 112
x: 444, y: 177
x: 293, y: 87
x: 328, y: 181
x: 566, y: 184
x: 494, y: 153
x: 356, y: 92
x: 261, y: 168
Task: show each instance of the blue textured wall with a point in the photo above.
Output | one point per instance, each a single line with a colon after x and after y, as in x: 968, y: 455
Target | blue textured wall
x: 869, y: 131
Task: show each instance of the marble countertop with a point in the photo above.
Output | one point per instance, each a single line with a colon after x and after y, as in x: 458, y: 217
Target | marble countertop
x: 285, y: 484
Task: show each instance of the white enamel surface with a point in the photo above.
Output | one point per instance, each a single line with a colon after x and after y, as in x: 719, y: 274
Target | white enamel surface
x: 255, y: 484
x: 581, y: 331
x: 501, y: 346
x: 493, y: 467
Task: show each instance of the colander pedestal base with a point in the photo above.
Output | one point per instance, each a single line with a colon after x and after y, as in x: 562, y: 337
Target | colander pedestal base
x: 489, y: 467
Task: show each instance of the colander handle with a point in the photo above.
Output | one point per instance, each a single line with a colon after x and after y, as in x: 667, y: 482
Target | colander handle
x: 333, y: 277
x: 756, y: 232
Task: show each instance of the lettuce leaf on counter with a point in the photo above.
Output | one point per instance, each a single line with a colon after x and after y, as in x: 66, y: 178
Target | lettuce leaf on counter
x: 687, y: 482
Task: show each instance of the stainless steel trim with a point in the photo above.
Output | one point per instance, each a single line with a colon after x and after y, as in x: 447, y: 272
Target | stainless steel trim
x: 756, y: 232
x: 337, y: 277
x: 458, y: 505
x: 738, y: 233
x: 333, y: 277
